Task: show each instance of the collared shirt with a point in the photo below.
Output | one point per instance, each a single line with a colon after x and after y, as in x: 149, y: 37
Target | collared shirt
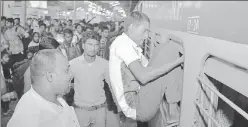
x: 123, y: 49
x: 13, y: 36
x: 34, y: 111
x: 32, y: 43
x: 88, y: 80
x: 102, y: 48
x: 76, y: 37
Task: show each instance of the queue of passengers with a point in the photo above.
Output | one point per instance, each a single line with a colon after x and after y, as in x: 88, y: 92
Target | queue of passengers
x: 56, y: 65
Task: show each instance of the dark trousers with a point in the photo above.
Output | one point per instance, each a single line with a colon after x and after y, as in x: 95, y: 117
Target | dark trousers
x: 5, y: 106
x: 17, y: 58
x: 142, y: 124
x: 70, y: 97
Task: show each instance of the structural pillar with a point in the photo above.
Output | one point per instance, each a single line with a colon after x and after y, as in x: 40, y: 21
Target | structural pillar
x: 75, y: 11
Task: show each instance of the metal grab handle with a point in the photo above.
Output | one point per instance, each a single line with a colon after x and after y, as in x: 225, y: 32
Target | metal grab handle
x: 234, y: 106
x: 215, y: 122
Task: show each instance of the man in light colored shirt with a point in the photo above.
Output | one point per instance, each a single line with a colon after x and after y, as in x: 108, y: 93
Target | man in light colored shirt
x: 89, y: 72
x: 125, y: 49
x: 42, y: 105
x: 13, y: 36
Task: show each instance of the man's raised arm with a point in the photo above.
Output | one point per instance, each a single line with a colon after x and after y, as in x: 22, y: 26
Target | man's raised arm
x: 147, y: 74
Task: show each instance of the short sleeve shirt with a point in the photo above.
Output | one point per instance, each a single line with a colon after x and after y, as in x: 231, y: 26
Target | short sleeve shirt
x: 123, y: 49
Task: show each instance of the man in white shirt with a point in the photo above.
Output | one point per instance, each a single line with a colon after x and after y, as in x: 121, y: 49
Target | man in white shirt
x: 125, y: 49
x: 89, y: 72
x: 42, y: 105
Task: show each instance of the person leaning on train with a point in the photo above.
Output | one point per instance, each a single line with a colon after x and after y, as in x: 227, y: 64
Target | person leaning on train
x: 43, y: 105
x: 172, y: 95
x: 125, y: 52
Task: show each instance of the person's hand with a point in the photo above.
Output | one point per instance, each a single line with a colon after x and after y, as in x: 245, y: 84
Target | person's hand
x: 13, y: 95
x: 6, y: 97
x: 9, y: 80
x: 122, y: 117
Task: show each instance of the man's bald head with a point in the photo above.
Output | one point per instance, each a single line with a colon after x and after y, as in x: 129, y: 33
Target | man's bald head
x: 44, y: 61
x: 50, y: 69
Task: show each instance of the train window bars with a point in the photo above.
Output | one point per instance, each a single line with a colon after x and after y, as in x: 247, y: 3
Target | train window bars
x: 220, y: 79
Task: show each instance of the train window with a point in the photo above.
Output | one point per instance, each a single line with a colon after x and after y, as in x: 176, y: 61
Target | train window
x: 220, y: 100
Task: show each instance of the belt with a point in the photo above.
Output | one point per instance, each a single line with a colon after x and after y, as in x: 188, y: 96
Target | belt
x: 92, y: 108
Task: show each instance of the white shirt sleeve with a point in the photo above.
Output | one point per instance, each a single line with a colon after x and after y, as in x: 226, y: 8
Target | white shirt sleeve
x: 126, y: 53
x: 74, y: 39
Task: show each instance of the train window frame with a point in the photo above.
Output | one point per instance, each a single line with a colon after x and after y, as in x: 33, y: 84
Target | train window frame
x: 205, y: 85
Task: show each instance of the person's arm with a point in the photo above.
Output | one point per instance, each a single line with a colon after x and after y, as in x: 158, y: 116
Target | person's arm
x: 143, y: 74
x: 23, y: 32
x: 3, y: 85
x: 4, y: 45
x: 147, y: 74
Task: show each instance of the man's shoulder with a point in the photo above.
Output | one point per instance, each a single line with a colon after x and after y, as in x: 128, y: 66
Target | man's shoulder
x: 75, y: 60
x: 102, y: 61
x: 26, y: 102
x: 121, y: 42
x: 117, y: 41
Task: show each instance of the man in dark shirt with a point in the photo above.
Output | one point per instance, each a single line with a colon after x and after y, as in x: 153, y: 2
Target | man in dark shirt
x: 6, y: 66
x: 3, y: 24
x: 42, y: 28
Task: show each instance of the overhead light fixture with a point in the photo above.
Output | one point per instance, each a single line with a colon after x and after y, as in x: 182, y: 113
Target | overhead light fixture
x: 120, y: 10
x: 116, y: 4
x: 79, y: 8
x: 89, y: 9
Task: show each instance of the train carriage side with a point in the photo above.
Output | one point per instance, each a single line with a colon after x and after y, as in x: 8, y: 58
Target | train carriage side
x: 213, y: 37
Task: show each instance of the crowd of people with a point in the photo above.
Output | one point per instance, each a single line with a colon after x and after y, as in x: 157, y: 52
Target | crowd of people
x: 48, y: 61
x: 19, y: 43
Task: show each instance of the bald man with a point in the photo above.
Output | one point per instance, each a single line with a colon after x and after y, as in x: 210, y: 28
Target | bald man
x: 45, y: 43
x: 42, y: 105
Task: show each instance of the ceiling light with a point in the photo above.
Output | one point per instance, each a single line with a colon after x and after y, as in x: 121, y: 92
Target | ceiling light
x: 120, y: 10
x: 79, y: 8
x: 116, y: 4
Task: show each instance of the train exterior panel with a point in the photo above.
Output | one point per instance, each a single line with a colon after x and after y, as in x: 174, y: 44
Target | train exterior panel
x: 213, y: 37
x: 225, y: 20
